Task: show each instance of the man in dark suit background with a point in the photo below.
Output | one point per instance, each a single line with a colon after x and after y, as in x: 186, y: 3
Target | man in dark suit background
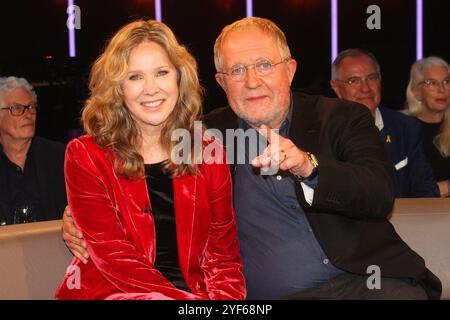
x: 356, y: 77
x: 32, y: 186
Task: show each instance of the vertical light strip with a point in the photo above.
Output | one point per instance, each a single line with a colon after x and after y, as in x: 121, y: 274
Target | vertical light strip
x: 72, y: 49
x: 249, y: 8
x: 158, y: 12
x: 334, y: 29
x: 419, y: 29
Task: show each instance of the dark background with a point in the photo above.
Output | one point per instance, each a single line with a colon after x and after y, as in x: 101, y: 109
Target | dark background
x: 34, y: 43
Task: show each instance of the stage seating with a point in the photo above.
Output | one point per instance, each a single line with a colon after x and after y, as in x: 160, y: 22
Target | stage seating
x: 33, y: 257
x: 33, y: 260
x: 424, y: 224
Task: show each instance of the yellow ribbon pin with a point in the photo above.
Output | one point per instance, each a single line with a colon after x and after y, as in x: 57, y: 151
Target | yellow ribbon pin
x: 388, y: 139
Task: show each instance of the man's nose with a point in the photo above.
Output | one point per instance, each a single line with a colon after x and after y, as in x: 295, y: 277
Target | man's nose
x: 364, y: 86
x: 252, y: 78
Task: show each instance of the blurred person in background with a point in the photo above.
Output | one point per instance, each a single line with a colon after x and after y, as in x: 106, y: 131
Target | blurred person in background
x: 356, y: 76
x: 32, y: 184
x: 428, y: 98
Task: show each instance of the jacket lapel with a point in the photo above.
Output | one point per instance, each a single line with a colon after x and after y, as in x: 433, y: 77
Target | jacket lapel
x: 305, y: 122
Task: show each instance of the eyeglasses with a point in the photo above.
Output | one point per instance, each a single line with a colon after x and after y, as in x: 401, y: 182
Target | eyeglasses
x: 356, y: 81
x: 18, y: 109
x: 262, y: 68
x: 434, y: 84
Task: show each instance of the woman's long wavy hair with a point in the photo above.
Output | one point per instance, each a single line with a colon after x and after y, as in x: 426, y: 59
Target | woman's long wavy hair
x: 106, y: 117
x: 442, y: 139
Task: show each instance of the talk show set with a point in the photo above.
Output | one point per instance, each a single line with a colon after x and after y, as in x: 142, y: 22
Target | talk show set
x: 252, y: 152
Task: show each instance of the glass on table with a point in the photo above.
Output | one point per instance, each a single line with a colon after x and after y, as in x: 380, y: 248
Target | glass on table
x: 24, y: 214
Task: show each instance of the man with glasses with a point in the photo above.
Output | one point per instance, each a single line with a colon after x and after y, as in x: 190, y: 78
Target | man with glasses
x: 312, y: 229
x: 356, y: 77
x: 32, y: 184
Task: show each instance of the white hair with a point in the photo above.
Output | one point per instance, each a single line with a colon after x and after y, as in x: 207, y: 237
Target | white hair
x: 8, y: 84
x: 442, y: 139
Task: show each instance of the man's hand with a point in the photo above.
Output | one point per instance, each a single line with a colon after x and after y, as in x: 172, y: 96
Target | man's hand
x: 284, y: 153
x: 73, y: 237
x: 444, y: 188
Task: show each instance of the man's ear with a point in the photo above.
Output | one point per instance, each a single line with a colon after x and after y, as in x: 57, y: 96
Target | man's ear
x: 335, y: 87
x: 220, y: 81
x: 292, y: 68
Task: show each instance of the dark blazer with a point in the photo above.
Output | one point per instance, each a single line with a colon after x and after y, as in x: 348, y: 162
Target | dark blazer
x: 402, y: 138
x: 49, y: 164
x: 355, y: 191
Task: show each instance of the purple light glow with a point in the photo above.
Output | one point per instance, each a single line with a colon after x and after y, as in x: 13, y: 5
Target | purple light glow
x: 72, y: 48
x: 249, y: 8
x: 158, y: 12
x: 334, y: 29
x: 419, y: 29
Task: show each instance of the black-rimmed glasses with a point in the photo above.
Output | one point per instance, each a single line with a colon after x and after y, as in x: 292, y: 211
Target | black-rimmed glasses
x: 18, y: 109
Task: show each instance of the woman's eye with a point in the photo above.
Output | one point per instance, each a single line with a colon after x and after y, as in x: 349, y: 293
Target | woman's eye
x: 135, y: 77
x: 162, y: 73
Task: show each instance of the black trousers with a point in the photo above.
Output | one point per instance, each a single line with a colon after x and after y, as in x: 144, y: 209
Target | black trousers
x: 355, y: 287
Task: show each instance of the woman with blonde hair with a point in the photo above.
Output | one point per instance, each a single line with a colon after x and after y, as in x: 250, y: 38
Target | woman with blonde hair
x: 428, y: 96
x: 154, y: 228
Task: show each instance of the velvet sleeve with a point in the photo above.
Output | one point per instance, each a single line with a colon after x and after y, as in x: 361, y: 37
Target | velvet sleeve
x: 223, y: 265
x: 112, y: 252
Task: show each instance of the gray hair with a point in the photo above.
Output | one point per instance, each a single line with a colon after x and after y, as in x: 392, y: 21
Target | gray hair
x: 8, y: 84
x: 262, y: 24
x: 416, y: 76
x: 352, y: 53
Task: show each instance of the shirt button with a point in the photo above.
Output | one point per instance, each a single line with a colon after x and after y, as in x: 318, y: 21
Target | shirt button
x: 325, y: 261
x: 309, y: 229
x: 279, y: 178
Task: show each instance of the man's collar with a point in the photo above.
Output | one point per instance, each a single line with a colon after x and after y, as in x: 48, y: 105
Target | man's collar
x: 379, y: 119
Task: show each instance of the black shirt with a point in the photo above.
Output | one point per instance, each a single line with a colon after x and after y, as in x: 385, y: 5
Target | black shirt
x: 160, y: 190
x: 439, y: 164
x: 19, y: 191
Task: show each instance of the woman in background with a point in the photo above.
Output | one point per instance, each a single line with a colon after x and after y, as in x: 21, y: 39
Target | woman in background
x: 154, y: 228
x: 428, y: 96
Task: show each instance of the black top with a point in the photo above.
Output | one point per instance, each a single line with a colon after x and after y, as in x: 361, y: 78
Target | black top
x: 439, y: 164
x: 160, y: 190
x: 20, y: 199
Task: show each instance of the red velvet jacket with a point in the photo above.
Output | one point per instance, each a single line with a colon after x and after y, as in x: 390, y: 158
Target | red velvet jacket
x: 111, y: 212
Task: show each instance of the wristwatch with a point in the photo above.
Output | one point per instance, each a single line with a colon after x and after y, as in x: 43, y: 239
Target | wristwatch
x: 315, y: 163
